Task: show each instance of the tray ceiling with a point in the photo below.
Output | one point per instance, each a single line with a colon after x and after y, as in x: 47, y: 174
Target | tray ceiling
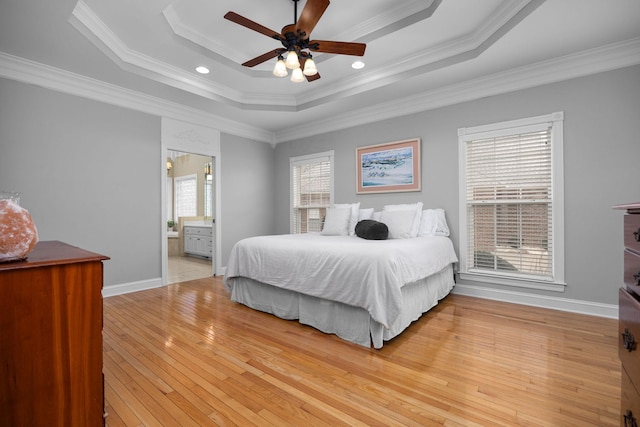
x: 413, y: 47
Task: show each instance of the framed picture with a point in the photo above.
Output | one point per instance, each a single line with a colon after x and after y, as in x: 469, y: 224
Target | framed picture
x: 387, y: 168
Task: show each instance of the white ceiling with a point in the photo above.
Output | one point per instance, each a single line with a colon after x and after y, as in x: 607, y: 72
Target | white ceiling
x: 420, y: 53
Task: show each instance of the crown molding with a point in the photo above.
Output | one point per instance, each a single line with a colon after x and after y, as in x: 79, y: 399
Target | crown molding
x: 593, y: 61
x: 182, y: 30
x: 31, y: 72
x: 94, y: 29
x: 461, y: 49
x: 389, y: 21
x: 360, y: 30
x: 464, y: 48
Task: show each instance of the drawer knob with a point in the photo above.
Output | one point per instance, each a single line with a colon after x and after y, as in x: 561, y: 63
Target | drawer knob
x: 636, y: 234
x: 636, y: 277
x: 628, y: 341
x: 629, y: 419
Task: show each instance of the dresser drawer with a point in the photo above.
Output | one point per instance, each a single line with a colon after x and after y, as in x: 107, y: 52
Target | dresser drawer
x: 630, y: 402
x: 629, y: 333
x: 632, y: 232
x: 197, y: 231
x: 632, y: 270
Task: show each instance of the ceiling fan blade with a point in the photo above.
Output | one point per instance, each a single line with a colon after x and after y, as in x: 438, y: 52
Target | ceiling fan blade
x: 341, y: 48
x: 310, y: 15
x: 310, y: 79
x: 264, y: 57
x: 248, y: 23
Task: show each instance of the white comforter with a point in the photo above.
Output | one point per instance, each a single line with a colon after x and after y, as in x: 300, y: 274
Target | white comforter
x: 348, y: 269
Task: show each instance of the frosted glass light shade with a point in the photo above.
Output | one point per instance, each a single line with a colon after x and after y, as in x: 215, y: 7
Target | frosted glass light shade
x: 297, y: 76
x: 310, y: 68
x: 292, y: 61
x: 280, y: 70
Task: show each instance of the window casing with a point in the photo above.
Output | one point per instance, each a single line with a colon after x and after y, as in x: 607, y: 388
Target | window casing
x: 311, y: 191
x: 511, y: 203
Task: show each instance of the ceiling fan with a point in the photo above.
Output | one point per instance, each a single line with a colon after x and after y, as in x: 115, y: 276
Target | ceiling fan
x: 296, y: 43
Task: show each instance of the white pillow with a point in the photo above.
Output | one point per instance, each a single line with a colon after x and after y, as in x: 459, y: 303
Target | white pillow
x: 376, y: 215
x: 416, y: 208
x: 433, y: 223
x: 399, y: 223
x: 365, y: 214
x: 355, y: 212
x: 336, y: 222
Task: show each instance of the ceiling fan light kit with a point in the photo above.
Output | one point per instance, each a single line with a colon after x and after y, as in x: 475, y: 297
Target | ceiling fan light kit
x: 292, y: 62
x: 296, y: 43
x: 280, y: 70
x: 309, y: 67
x: 297, y: 76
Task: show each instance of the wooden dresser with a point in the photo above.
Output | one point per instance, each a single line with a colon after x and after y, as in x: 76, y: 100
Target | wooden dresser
x: 629, y: 318
x: 51, y: 338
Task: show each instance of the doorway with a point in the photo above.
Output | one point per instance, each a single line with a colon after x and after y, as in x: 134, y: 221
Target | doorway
x: 190, y: 211
x: 201, y: 145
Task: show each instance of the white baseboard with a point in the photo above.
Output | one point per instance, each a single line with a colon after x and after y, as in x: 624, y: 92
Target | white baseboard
x: 570, y: 305
x: 125, y: 288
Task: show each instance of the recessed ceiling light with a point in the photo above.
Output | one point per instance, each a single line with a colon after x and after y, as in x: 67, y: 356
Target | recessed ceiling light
x: 202, y: 70
x: 357, y: 65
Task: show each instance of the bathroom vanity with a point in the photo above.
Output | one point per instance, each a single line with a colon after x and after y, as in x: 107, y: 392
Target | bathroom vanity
x: 198, y: 238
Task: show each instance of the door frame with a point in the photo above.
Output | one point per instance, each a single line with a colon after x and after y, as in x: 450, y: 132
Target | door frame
x: 193, y: 139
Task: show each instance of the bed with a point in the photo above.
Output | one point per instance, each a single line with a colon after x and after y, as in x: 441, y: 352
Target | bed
x: 364, y: 291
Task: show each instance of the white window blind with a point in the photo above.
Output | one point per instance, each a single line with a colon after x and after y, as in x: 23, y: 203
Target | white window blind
x: 311, y: 191
x: 509, y: 204
x: 186, y: 197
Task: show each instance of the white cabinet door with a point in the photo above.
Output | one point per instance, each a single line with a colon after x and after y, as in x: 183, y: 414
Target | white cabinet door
x: 190, y: 244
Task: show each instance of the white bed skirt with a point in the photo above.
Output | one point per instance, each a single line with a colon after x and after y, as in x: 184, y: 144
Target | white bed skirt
x: 348, y: 322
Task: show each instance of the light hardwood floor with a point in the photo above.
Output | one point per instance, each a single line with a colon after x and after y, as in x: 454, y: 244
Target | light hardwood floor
x: 185, y: 355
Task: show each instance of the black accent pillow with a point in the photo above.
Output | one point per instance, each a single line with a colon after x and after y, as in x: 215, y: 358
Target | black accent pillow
x: 372, y: 230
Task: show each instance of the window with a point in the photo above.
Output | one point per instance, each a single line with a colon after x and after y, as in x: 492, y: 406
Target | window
x: 511, y: 198
x: 311, y: 191
x: 186, y: 197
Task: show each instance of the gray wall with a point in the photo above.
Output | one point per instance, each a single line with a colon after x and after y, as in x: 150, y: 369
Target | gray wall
x: 601, y: 152
x: 88, y: 173
x: 90, y: 176
x: 248, y: 206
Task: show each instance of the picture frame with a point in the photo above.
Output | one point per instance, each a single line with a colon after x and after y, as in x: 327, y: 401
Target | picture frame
x: 388, y: 168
